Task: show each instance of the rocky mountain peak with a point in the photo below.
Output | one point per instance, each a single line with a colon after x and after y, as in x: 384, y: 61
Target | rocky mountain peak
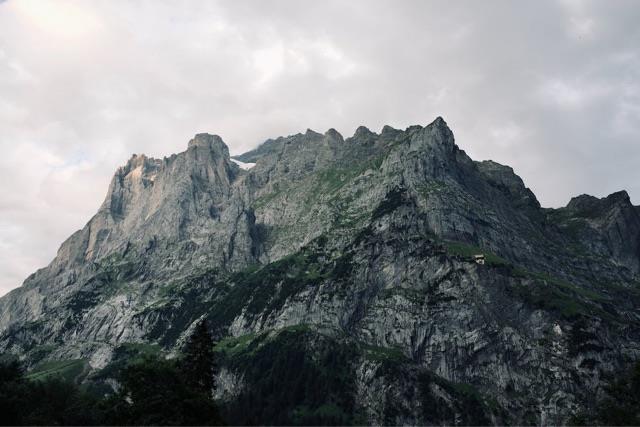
x: 582, y: 202
x: 363, y: 132
x: 139, y: 172
x: 389, y: 132
x: 436, y: 139
x: 590, y: 204
x: 619, y: 197
x: 504, y: 178
x: 334, y: 134
x: 212, y: 142
x: 413, y: 128
x: 614, y: 219
x: 439, y: 121
x: 137, y: 158
x: 440, y: 127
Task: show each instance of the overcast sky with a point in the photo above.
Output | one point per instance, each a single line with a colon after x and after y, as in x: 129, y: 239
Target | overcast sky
x: 550, y: 88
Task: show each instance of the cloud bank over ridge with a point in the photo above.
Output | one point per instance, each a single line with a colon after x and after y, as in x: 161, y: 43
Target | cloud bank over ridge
x: 550, y: 88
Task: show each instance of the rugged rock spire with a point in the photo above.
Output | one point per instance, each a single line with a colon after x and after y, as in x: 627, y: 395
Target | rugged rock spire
x: 363, y: 132
x: 334, y: 134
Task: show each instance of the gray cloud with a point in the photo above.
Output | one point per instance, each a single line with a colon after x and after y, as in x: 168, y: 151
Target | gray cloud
x: 550, y: 88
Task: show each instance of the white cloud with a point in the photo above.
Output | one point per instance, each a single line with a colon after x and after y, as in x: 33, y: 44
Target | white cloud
x: 549, y: 88
x: 506, y: 135
x: 572, y: 95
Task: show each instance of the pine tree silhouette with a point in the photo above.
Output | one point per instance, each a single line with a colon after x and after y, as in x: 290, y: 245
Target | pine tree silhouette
x: 198, y: 363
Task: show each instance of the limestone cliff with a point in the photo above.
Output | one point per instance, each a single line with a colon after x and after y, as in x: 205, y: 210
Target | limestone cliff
x: 359, y: 251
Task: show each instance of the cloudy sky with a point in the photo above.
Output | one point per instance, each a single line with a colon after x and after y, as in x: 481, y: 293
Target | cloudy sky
x: 549, y: 87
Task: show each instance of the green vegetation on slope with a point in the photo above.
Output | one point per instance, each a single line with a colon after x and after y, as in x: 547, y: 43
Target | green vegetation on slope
x: 267, y: 288
x: 547, y: 292
x: 128, y: 354
x: 557, y: 295
x: 68, y: 370
x: 383, y: 354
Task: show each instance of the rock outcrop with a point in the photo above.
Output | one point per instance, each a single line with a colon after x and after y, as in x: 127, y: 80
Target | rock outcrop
x: 361, y: 245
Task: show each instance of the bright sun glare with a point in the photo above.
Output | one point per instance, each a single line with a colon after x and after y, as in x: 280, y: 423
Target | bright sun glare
x: 59, y: 19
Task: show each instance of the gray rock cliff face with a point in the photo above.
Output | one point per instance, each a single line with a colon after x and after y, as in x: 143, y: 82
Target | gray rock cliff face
x: 615, y: 222
x: 366, y: 240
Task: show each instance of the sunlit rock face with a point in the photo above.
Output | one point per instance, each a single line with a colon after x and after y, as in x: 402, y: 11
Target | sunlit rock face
x: 360, y: 247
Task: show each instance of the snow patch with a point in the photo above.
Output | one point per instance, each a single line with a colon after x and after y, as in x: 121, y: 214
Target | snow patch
x: 243, y: 165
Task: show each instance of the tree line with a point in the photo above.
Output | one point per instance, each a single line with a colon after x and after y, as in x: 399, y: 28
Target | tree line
x: 156, y: 391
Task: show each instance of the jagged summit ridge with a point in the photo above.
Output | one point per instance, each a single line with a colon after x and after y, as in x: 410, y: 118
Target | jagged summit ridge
x: 586, y: 202
x: 361, y: 135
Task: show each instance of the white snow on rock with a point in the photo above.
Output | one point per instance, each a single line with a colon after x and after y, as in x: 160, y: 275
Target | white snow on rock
x: 243, y: 165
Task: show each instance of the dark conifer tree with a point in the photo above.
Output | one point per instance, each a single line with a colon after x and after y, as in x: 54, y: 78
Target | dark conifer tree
x: 198, y: 363
x: 622, y: 406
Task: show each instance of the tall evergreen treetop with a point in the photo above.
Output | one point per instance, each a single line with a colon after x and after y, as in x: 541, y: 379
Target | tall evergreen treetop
x: 198, y: 363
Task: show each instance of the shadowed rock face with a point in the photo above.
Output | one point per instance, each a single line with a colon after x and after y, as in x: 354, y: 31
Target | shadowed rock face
x: 609, y: 227
x: 364, y: 242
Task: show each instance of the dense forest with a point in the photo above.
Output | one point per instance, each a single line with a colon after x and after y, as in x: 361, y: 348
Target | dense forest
x: 152, y: 391
x: 157, y: 391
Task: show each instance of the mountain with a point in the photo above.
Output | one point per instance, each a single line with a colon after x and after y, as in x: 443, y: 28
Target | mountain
x: 339, y: 277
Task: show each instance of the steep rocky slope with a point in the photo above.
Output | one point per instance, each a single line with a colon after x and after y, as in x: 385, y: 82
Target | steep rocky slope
x: 345, y: 266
